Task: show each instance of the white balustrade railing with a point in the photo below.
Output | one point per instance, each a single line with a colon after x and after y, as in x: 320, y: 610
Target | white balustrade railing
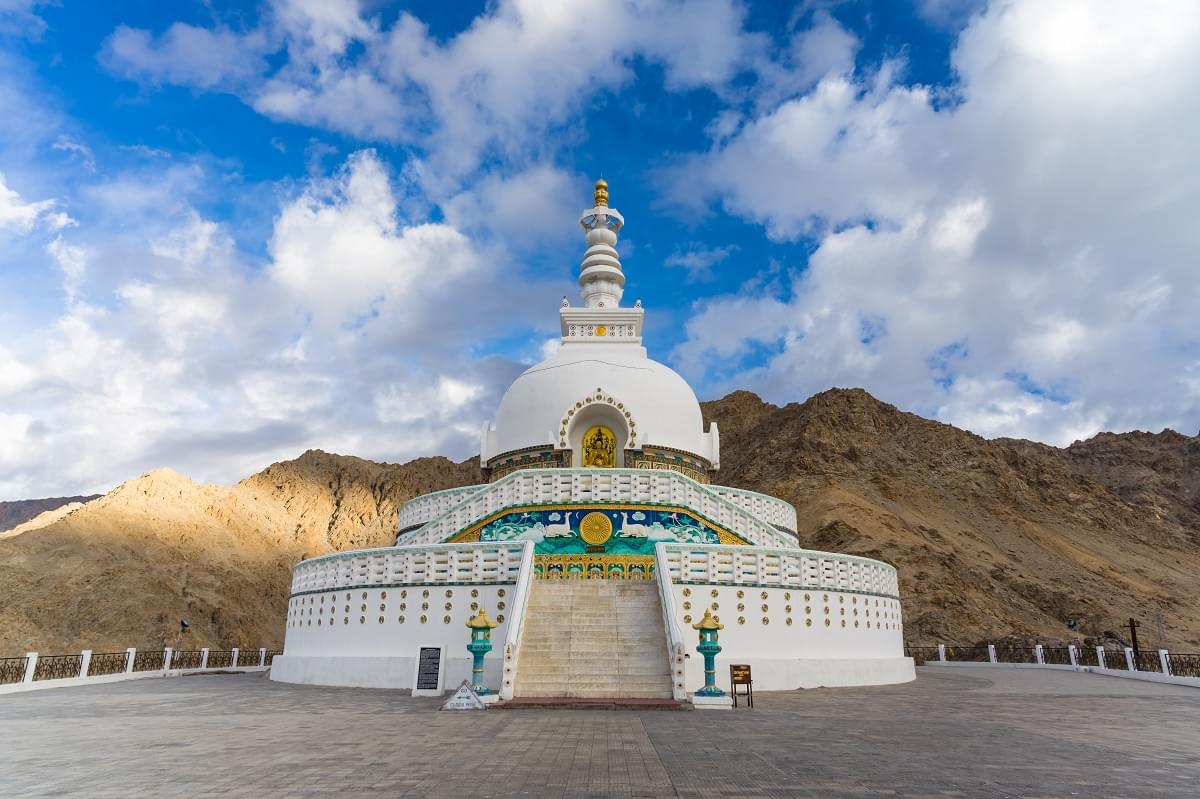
x: 591, y: 486
x: 776, y: 567
x: 425, y: 508
x: 444, y: 564
x: 676, y: 647
x: 764, y: 506
x: 516, y: 627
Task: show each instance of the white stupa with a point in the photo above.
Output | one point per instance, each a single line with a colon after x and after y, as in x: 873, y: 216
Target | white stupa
x: 598, y: 545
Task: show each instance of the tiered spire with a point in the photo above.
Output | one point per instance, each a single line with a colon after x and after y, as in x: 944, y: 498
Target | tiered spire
x: 601, y: 280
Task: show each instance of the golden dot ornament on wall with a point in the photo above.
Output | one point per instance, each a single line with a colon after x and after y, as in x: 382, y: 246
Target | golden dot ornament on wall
x: 400, y: 619
x: 741, y: 619
x: 424, y: 619
x: 445, y: 619
x: 474, y: 592
x: 713, y: 593
x: 741, y: 594
x: 500, y: 618
x: 500, y: 592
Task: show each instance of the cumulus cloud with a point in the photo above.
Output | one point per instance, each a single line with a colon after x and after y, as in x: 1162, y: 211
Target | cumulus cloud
x: 520, y: 69
x: 1018, y: 258
x: 19, y: 216
x: 174, y: 348
x: 699, y: 260
x: 185, y: 54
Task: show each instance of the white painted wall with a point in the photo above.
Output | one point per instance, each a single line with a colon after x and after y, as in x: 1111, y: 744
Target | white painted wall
x: 798, y: 655
x: 360, y: 650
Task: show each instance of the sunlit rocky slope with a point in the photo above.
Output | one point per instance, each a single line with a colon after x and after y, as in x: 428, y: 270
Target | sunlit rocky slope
x: 991, y: 537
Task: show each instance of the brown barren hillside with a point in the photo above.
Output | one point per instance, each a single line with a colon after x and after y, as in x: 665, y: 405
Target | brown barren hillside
x: 991, y: 537
x: 123, y: 569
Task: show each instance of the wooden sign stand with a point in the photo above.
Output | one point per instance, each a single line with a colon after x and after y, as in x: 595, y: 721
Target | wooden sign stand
x: 740, y: 675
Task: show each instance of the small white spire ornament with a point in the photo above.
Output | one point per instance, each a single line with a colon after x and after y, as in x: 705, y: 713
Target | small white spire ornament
x: 565, y: 302
x: 601, y: 279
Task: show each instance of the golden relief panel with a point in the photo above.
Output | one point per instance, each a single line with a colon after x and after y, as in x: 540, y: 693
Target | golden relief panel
x: 599, y: 448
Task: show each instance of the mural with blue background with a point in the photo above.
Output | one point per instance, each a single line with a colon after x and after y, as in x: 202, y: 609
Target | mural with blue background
x: 635, y: 532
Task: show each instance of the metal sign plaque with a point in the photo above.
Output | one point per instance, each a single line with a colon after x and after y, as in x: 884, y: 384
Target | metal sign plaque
x: 429, y: 666
x: 739, y: 674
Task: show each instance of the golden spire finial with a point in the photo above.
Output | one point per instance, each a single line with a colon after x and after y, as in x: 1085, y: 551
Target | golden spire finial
x: 601, y: 195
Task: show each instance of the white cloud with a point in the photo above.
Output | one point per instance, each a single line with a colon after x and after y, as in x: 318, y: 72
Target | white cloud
x: 699, y: 260
x: 175, y: 349
x: 20, y: 217
x: 522, y: 68
x: 1018, y: 259
x: 186, y: 54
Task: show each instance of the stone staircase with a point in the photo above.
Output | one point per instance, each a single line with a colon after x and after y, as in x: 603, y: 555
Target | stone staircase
x: 594, y: 639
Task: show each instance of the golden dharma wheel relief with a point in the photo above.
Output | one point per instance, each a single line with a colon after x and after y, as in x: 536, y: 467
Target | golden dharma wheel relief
x: 381, y: 619
x: 808, y: 622
x: 362, y: 619
x: 383, y: 594
x: 828, y: 622
x: 763, y: 595
x: 500, y: 618
x: 741, y: 619
x: 716, y: 606
x: 764, y: 608
x: 445, y: 619
x: 741, y: 594
x: 449, y: 594
x: 499, y: 606
x: 425, y: 593
x: 383, y: 606
x: 807, y: 597
x: 687, y: 592
x: 789, y: 621
x: 714, y: 593
x: 404, y: 593
x: 424, y: 606
x: 474, y: 606
x: 364, y: 594
x: 766, y: 620
x: 687, y: 619
x: 500, y: 592
x: 741, y: 607
x: 787, y: 595
x: 596, y: 528
x: 449, y: 606
x: 687, y: 605
x: 400, y: 619
x: 424, y: 619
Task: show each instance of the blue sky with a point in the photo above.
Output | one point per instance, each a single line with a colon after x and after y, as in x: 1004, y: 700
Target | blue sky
x: 233, y: 231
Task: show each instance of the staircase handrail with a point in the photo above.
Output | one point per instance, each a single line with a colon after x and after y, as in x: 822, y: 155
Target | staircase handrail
x: 675, y: 643
x: 516, y: 624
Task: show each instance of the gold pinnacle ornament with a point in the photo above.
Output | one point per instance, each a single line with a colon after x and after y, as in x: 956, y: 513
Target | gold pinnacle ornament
x: 601, y: 195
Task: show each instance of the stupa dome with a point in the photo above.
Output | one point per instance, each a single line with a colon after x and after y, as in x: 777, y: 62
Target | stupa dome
x: 644, y: 402
x: 600, y: 386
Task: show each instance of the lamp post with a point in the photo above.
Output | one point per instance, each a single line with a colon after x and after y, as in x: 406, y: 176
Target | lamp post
x: 709, y: 647
x: 481, y: 643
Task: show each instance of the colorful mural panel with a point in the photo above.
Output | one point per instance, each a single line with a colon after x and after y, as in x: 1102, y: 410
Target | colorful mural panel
x: 604, y: 530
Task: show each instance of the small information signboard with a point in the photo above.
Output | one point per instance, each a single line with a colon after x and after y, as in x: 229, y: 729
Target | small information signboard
x: 739, y: 674
x: 429, y: 671
x: 464, y: 699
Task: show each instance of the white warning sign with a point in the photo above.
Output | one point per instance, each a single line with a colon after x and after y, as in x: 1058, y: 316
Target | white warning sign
x: 464, y: 699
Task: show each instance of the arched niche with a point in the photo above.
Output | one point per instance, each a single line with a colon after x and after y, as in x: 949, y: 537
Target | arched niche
x: 597, y: 414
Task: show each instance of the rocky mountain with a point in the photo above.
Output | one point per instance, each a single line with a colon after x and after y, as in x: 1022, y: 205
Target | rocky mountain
x: 22, y: 510
x: 992, y: 538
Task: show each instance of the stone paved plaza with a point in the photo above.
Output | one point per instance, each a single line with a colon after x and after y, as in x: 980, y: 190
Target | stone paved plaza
x: 955, y: 732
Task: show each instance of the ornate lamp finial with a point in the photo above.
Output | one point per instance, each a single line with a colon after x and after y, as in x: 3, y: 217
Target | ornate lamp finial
x: 601, y: 195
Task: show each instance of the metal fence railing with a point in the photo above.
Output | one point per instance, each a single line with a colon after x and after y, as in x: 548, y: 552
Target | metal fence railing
x: 1185, y: 665
x: 1145, y: 660
x: 271, y: 653
x: 148, y: 661
x: 1057, y: 655
x: 220, y: 658
x: 56, y: 667
x: 977, y: 653
x: 107, y: 663
x: 12, y: 670
x: 187, y: 659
